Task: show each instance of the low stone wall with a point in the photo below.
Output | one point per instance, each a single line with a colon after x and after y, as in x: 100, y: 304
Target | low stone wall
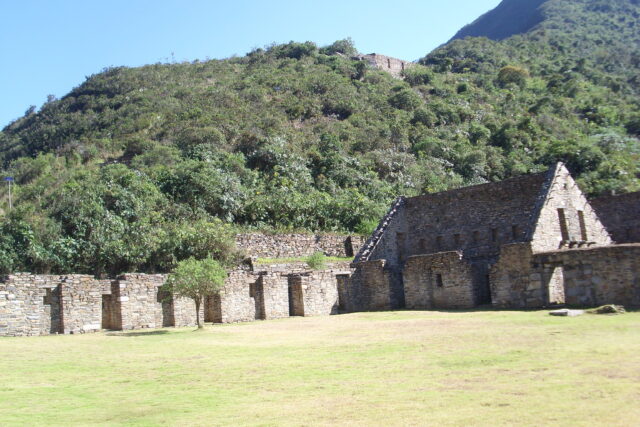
x: 45, y: 304
x: 298, y: 245
x: 81, y: 302
x: 39, y: 305
x: 441, y: 280
x: 319, y: 293
x: 237, y: 302
x: 370, y: 287
x: 596, y: 276
x: 140, y: 306
x: 513, y: 283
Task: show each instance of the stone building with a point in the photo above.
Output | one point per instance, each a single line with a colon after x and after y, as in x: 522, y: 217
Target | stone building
x: 529, y: 241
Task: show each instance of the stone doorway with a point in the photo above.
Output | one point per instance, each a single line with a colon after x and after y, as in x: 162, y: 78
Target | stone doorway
x: 556, y: 284
x: 481, y: 284
x: 213, y: 309
x: 296, y: 302
x: 108, y: 313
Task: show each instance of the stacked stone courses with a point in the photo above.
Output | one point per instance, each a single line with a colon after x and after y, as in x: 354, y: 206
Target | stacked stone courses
x: 620, y: 215
x: 526, y: 242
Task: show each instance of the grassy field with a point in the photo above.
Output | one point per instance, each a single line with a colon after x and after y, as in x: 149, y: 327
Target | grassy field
x: 395, y: 368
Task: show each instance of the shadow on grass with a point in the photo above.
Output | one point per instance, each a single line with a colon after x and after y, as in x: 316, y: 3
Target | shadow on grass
x: 137, y: 333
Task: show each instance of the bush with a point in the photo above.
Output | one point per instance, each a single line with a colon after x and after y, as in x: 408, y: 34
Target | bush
x: 317, y: 261
x: 511, y: 74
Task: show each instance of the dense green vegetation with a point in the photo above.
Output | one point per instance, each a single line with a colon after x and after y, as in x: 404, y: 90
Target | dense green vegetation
x: 139, y: 168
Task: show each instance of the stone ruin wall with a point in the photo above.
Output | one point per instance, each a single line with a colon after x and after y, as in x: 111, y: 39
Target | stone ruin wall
x: 483, y: 219
x: 257, y: 245
x: 44, y: 304
x: 620, y: 215
x: 441, y: 280
x: 393, y: 66
x: 596, y: 276
x: 40, y: 305
x: 47, y: 304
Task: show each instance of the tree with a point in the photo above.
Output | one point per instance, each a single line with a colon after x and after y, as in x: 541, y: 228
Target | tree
x: 511, y: 74
x: 196, y: 279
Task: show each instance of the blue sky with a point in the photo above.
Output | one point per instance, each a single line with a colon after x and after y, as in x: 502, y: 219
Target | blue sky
x: 50, y: 46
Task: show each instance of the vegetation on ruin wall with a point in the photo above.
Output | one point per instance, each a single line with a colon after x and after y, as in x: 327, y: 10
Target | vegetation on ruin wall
x: 122, y: 172
x: 397, y: 368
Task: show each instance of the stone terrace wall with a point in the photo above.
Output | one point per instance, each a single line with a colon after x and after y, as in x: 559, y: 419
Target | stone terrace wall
x: 597, y: 276
x: 620, y: 215
x: 298, y: 245
x: 423, y: 290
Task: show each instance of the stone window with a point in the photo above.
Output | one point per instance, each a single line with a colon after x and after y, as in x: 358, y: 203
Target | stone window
x: 562, y: 219
x: 46, y: 300
x: 476, y: 236
x: 494, y: 234
x: 439, y: 282
x: 583, y: 227
x: 456, y: 239
x: 388, y: 63
x: 515, y: 232
x: 439, y: 242
x: 422, y: 244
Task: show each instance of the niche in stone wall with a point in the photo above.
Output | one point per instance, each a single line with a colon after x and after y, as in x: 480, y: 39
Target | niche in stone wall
x: 564, y: 229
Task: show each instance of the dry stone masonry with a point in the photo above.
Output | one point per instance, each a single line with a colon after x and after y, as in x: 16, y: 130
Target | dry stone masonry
x: 528, y: 242
x: 46, y: 304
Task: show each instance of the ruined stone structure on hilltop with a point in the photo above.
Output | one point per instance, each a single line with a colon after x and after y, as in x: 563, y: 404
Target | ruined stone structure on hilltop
x: 526, y: 242
x: 393, y: 66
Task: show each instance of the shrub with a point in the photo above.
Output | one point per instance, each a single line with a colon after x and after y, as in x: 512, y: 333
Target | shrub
x: 511, y: 74
x: 317, y: 261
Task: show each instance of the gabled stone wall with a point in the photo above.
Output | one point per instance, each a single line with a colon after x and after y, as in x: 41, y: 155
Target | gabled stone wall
x: 566, y: 218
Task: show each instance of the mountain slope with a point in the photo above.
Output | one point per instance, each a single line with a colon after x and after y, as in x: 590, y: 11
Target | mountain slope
x: 509, y: 18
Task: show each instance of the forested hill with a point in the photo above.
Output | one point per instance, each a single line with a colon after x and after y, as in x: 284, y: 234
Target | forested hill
x: 137, y: 168
x: 511, y: 17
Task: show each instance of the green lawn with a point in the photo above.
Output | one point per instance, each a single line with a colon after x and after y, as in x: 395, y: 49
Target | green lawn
x: 396, y: 368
